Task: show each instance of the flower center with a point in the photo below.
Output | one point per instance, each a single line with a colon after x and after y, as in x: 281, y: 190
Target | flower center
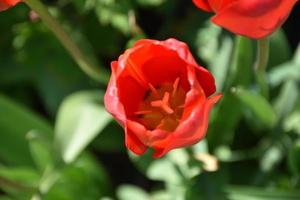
x: 162, y: 106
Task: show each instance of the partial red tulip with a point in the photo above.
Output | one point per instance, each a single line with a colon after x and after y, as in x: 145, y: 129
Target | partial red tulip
x: 161, y: 96
x: 252, y: 18
x: 5, y: 4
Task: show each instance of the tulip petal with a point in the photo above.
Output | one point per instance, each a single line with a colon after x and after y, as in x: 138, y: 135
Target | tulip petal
x: 206, y: 80
x: 190, y: 131
x: 204, y: 77
x: 203, y: 4
x: 255, y: 19
x: 111, y: 98
x: 5, y: 4
x: 133, y: 143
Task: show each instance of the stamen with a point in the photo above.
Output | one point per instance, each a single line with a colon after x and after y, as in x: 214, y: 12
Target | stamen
x: 138, y: 74
x: 164, y: 103
x: 181, y: 106
x: 175, y: 86
x: 153, y: 89
x: 143, y: 112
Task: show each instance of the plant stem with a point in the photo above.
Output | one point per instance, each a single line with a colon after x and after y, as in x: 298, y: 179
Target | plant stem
x: 263, y: 46
x: 84, y: 63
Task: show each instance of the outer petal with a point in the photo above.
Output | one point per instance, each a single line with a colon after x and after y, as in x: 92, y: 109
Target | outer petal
x: 256, y: 18
x: 204, y: 77
x: 190, y: 131
x: 111, y: 98
x: 133, y: 143
x: 5, y: 4
x: 203, y: 4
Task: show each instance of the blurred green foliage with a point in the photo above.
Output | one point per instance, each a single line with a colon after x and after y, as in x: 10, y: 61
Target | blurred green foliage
x: 57, y: 141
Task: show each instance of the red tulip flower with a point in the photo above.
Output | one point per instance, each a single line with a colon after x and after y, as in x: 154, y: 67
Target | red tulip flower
x: 252, y: 18
x: 5, y: 4
x: 161, y: 96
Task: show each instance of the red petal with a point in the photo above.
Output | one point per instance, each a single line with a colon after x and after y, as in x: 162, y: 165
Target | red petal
x: 5, y: 4
x: 206, y: 81
x: 189, y: 131
x: 256, y: 18
x: 111, y: 97
x: 133, y: 143
x: 203, y: 4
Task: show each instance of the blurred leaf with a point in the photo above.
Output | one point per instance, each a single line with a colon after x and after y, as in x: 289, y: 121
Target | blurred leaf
x: 286, y: 99
x: 84, y: 179
x: 240, y: 73
x: 80, y: 119
x: 221, y: 63
x: 164, y: 170
x: 252, y: 193
x: 160, y: 195
x: 5, y: 198
x: 150, y: 2
x: 114, y: 13
x: 271, y: 157
x: 15, y: 122
x: 281, y: 73
x: 131, y: 192
x: 207, y: 186
x: 57, y: 76
x: 207, y: 42
x: 294, y: 158
x: 289, y: 70
x: 111, y: 139
x: 280, y: 50
x: 258, y: 105
x: 216, y: 51
x: 292, y: 122
x: 19, y: 181
x: 40, y: 149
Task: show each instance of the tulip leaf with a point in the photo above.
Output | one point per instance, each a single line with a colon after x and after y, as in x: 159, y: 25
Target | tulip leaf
x: 15, y: 122
x: 131, y: 192
x: 253, y: 193
x: 238, y: 74
x: 278, y: 40
x: 85, y: 178
x: 80, y: 119
x: 150, y: 2
x: 258, y: 105
x: 286, y: 99
x: 294, y: 158
x: 40, y: 149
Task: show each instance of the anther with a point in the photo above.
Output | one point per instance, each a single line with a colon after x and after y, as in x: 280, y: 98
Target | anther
x: 164, y: 103
x: 175, y: 86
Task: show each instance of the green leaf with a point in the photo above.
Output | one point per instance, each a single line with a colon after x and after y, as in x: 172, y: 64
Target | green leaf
x: 286, y: 99
x: 85, y: 178
x: 292, y: 122
x: 150, y: 2
x: 207, y: 42
x: 15, y: 122
x: 254, y: 193
x: 240, y: 73
x: 40, y: 149
x: 114, y: 13
x: 131, y: 192
x: 280, y: 50
x: 18, y: 180
x: 221, y: 63
x: 294, y: 158
x: 259, y: 106
x: 80, y: 119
